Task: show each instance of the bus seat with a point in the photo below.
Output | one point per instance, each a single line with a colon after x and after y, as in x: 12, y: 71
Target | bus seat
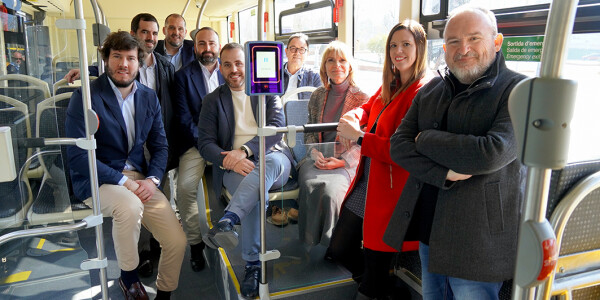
x: 16, y: 195
x: 574, y: 209
x: 63, y: 86
x: 25, y: 88
x: 292, y: 95
x: 55, y: 201
x: 28, y: 90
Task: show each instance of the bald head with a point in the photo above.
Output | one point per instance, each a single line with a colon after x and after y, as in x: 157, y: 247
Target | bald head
x: 484, y: 16
x: 471, y: 41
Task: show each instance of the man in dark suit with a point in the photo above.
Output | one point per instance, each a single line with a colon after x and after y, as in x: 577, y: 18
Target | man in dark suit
x: 191, y: 84
x: 227, y: 138
x: 157, y: 73
x: 130, y: 118
x: 175, y: 47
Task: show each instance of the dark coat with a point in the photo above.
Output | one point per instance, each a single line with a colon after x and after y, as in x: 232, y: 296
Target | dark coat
x: 475, y: 225
x: 187, y: 53
x: 189, y: 89
x: 216, y: 130
x: 111, y: 137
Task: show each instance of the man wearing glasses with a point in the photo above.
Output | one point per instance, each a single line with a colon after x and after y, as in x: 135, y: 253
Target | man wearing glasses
x: 17, y: 62
x: 296, y: 74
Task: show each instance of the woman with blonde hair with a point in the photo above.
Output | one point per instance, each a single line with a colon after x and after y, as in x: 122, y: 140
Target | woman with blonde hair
x: 373, y: 194
x: 324, y: 177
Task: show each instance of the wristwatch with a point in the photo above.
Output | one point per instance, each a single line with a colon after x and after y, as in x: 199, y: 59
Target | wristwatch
x: 359, y: 141
x: 245, y: 151
x: 154, y: 179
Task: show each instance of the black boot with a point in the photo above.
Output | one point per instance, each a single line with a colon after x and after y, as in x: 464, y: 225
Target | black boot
x: 197, y: 257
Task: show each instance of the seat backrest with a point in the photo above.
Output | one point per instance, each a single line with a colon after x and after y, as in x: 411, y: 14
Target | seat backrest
x: 296, y: 113
x: 63, y: 86
x: 294, y: 93
x: 14, y: 194
x: 51, y: 116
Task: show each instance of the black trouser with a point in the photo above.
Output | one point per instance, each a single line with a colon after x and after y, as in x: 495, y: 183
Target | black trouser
x: 345, y: 247
x: 376, y: 280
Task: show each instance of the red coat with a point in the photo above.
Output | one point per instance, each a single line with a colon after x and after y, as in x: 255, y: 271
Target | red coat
x: 386, y: 178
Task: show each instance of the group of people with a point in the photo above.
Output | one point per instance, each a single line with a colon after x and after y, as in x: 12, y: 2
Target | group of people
x: 425, y: 163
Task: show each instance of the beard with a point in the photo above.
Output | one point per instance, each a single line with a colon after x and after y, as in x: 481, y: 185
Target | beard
x: 468, y: 75
x: 149, y: 50
x: 174, y: 44
x: 207, y: 58
x: 235, y: 84
x: 120, y: 83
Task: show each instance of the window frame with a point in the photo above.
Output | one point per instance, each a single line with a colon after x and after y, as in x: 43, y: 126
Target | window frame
x: 522, y: 20
x: 320, y: 36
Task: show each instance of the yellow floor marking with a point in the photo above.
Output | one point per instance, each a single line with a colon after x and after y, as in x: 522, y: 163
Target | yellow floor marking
x: 63, y: 249
x: 236, y: 283
x: 21, y: 276
x: 41, y: 243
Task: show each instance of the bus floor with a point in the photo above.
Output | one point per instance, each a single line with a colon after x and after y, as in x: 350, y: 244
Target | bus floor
x: 300, y: 273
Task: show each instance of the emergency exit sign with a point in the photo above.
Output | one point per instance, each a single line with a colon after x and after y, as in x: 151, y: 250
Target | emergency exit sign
x: 527, y: 48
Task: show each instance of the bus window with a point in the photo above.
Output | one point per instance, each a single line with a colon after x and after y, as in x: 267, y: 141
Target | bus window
x: 281, y: 5
x: 370, y: 35
x: 248, y: 23
x: 492, y: 4
x: 430, y: 7
x: 229, y: 31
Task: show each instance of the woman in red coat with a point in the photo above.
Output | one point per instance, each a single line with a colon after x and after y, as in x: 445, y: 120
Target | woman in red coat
x: 379, y: 181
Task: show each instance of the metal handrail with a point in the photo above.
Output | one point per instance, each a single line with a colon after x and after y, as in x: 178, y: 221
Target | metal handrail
x: 42, y: 231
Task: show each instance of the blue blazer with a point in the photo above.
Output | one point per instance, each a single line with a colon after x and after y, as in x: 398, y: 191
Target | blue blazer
x: 187, y: 53
x: 188, y: 91
x: 111, y: 137
x: 216, y: 130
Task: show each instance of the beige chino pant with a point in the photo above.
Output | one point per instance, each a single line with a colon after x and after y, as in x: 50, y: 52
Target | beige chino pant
x: 191, y: 168
x: 128, y: 214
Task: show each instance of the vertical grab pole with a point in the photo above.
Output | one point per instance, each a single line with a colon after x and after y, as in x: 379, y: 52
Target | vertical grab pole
x: 100, y: 19
x: 87, y: 106
x: 264, y: 285
x: 561, y: 17
x: 200, y: 13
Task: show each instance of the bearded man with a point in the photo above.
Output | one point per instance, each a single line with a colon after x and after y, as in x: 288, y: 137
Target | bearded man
x: 463, y: 197
x: 130, y: 120
x: 191, y: 84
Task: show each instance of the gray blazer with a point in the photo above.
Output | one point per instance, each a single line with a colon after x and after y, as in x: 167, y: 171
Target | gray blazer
x: 474, y: 230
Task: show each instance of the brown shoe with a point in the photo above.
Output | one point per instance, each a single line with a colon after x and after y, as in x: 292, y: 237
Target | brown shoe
x: 292, y: 214
x: 278, y: 217
x: 135, y: 292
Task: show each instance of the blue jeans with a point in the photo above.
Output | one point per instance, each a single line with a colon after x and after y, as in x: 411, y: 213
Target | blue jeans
x: 441, y: 287
x: 246, y: 200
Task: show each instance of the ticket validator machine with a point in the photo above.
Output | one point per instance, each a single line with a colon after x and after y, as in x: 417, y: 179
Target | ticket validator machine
x: 264, y: 77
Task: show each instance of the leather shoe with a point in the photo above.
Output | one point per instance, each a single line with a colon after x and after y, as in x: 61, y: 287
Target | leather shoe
x: 221, y: 235
x: 197, y: 259
x: 278, y: 217
x: 249, y: 286
x: 135, y: 292
x: 292, y: 214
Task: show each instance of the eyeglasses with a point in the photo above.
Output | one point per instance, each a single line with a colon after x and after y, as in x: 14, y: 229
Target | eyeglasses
x: 299, y: 50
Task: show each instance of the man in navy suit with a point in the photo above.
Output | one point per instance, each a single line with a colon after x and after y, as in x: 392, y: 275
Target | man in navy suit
x: 227, y: 138
x: 191, y: 84
x: 175, y: 47
x: 157, y: 73
x: 130, y: 118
